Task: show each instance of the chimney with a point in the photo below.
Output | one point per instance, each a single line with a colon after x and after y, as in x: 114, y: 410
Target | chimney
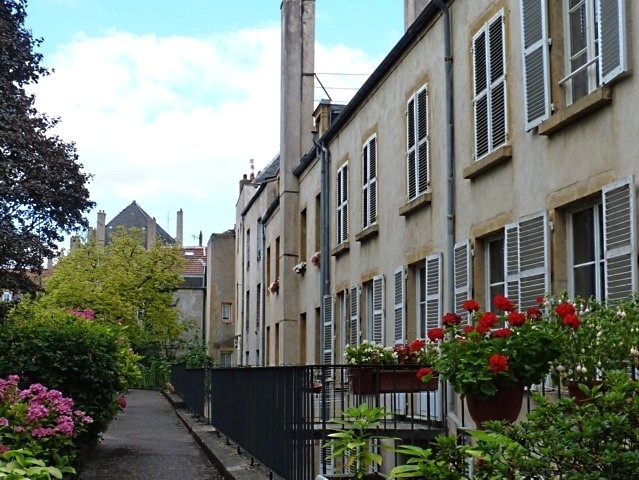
x: 100, y: 229
x: 412, y: 9
x: 201, y: 238
x: 150, y: 232
x: 179, y: 234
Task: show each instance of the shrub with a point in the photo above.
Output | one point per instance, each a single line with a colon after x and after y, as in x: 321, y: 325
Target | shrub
x: 86, y: 360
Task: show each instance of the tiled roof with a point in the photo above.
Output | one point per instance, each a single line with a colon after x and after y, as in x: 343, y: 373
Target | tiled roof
x: 134, y: 217
x: 270, y: 171
x: 195, y: 260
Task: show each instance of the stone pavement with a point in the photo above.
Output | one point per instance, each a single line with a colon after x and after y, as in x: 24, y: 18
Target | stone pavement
x: 156, y: 438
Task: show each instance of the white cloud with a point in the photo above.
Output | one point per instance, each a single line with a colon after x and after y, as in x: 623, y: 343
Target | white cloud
x: 172, y: 122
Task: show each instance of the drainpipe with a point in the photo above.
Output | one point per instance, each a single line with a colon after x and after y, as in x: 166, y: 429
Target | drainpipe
x: 325, y: 280
x: 260, y: 226
x: 450, y: 187
x: 242, y: 296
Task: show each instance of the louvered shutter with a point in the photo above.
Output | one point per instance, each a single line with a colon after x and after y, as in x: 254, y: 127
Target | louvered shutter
x: 399, y: 307
x: 422, y: 141
x: 480, y: 101
x: 372, y: 153
x: 377, y: 334
x: 462, y: 274
x: 620, y: 239
x: 328, y: 330
x: 535, y: 50
x: 511, y: 262
x: 411, y: 150
x: 342, y: 204
x: 611, y: 19
x: 534, y: 259
x: 365, y: 186
x: 433, y: 290
x: 353, y: 299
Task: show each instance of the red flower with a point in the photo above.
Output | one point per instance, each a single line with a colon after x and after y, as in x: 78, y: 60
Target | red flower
x: 502, y: 303
x: 503, y: 333
x: 422, y: 372
x: 469, y: 329
x: 571, y: 320
x: 488, y: 319
x: 564, y: 309
x: 516, y: 319
x: 435, y: 334
x: 498, y: 363
x: 451, y: 319
x: 470, y: 305
x: 533, y: 313
x: 417, y: 345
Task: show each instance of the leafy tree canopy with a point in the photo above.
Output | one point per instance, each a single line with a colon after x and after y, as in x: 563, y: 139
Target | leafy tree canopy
x: 122, y: 282
x: 43, y: 191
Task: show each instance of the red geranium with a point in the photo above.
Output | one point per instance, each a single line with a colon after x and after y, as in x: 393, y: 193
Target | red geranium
x: 533, y: 313
x: 451, y: 319
x: 502, y: 303
x: 422, y: 372
x: 516, y: 319
x: 417, y: 344
x: 498, y: 363
x: 502, y: 333
x: 571, y: 320
x: 470, y: 305
x: 564, y: 309
x: 435, y: 334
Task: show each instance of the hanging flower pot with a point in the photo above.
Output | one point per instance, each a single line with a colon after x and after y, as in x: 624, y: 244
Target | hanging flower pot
x: 504, y: 405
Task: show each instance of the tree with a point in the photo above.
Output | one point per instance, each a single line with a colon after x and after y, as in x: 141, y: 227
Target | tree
x: 43, y: 192
x: 122, y: 282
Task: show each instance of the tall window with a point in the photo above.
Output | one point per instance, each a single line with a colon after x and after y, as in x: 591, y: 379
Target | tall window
x: 248, y: 248
x: 489, y: 87
x: 303, y: 235
x: 495, y: 271
x: 417, y: 143
x: 342, y: 204
x: 226, y: 312
x: 585, y: 236
x: 369, y: 182
x: 226, y: 359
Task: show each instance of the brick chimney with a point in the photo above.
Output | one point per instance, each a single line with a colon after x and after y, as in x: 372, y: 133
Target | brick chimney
x: 179, y: 234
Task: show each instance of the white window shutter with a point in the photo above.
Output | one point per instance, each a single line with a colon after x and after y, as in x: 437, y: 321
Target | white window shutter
x: 328, y: 330
x: 497, y: 80
x: 342, y: 204
x: 399, y: 308
x: 534, y: 259
x: 511, y: 262
x: 620, y: 238
x: 535, y: 52
x: 372, y: 153
x: 611, y: 20
x: 377, y: 335
x: 365, y: 186
x: 433, y: 291
x: 411, y: 150
x: 480, y: 95
x: 462, y: 274
x: 422, y: 140
x: 353, y: 298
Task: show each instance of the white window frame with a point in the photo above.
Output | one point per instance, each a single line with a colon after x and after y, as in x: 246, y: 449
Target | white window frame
x: 490, y: 105
x: 488, y: 262
x: 598, y: 255
x: 227, y: 318
x: 342, y: 204
x: 369, y: 182
x: 417, y: 147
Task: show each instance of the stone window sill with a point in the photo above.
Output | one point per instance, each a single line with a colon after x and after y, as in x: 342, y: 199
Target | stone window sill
x: 582, y: 107
x: 415, y: 204
x: 490, y: 161
x: 340, y: 249
x: 367, y: 233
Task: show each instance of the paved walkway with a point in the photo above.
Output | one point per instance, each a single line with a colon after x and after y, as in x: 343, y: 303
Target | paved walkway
x: 148, y: 441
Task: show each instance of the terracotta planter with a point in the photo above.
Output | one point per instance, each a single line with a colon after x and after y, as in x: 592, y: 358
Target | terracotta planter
x: 362, y: 380
x: 404, y: 379
x: 504, y: 405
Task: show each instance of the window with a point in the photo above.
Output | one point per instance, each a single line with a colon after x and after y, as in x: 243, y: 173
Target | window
x: 6, y: 296
x: 248, y: 248
x: 303, y: 238
x: 369, y: 182
x: 226, y: 359
x: 260, y: 240
x: 602, y: 245
x: 417, y: 143
x: 258, y: 306
x: 489, y: 87
x: 495, y: 270
x: 247, y: 306
x: 342, y: 204
x: 226, y: 312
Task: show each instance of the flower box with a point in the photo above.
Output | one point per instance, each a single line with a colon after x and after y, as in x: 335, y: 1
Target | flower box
x: 363, y: 380
x: 404, y: 379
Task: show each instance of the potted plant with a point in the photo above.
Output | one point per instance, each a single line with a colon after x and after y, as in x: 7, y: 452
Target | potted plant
x: 300, y: 268
x: 274, y: 287
x: 315, y: 259
x: 414, y: 370
x: 364, y: 359
x: 597, y: 338
x: 356, y: 442
x: 490, y: 359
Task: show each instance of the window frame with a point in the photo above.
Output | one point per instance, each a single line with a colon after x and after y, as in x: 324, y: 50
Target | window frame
x: 226, y: 319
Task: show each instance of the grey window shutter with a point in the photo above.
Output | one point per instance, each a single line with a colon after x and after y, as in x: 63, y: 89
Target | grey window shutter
x: 378, y: 310
x: 411, y: 151
x: 535, y: 50
x: 365, y: 186
x: 511, y: 262
x: 328, y: 330
x: 422, y: 141
x: 497, y: 79
x: 534, y: 259
x: 611, y: 19
x: 620, y: 238
x: 433, y: 290
x: 342, y: 204
x: 462, y: 274
x: 372, y: 152
x: 353, y: 299
x: 480, y: 100
x: 399, y: 307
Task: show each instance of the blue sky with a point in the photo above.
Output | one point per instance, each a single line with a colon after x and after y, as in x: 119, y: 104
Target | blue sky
x: 157, y: 94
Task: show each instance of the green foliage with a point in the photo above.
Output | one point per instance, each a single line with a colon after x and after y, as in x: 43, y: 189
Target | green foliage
x: 593, y: 441
x: 445, y: 460
x: 86, y: 360
x: 43, y: 191
x: 21, y: 465
x: 123, y: 283
x: 353, y: 441
x: 196, y: 354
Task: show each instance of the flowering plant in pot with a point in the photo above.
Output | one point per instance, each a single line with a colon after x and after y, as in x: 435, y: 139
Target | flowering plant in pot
x: 300, y: 268
x: 495, y: 352
x: 274, y: 287
x: 369, y: 353
x: 315, y: 259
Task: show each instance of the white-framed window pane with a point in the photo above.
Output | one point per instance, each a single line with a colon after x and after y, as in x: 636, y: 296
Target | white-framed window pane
x: 586, y: 252
x: 495, y: 269
x: 226, y: 312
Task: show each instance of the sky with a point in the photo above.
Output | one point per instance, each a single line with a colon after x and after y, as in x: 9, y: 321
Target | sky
x: 168, y: 101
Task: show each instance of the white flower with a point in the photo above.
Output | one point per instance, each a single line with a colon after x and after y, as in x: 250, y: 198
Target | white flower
x: 560, y: 368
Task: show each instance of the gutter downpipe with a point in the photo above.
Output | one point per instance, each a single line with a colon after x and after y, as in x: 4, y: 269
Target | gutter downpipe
x: 450, y: 177
x: 260, y: 226
x: 325, y: 281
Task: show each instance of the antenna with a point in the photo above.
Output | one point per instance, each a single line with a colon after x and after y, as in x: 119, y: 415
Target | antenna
x: 252, y: 165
